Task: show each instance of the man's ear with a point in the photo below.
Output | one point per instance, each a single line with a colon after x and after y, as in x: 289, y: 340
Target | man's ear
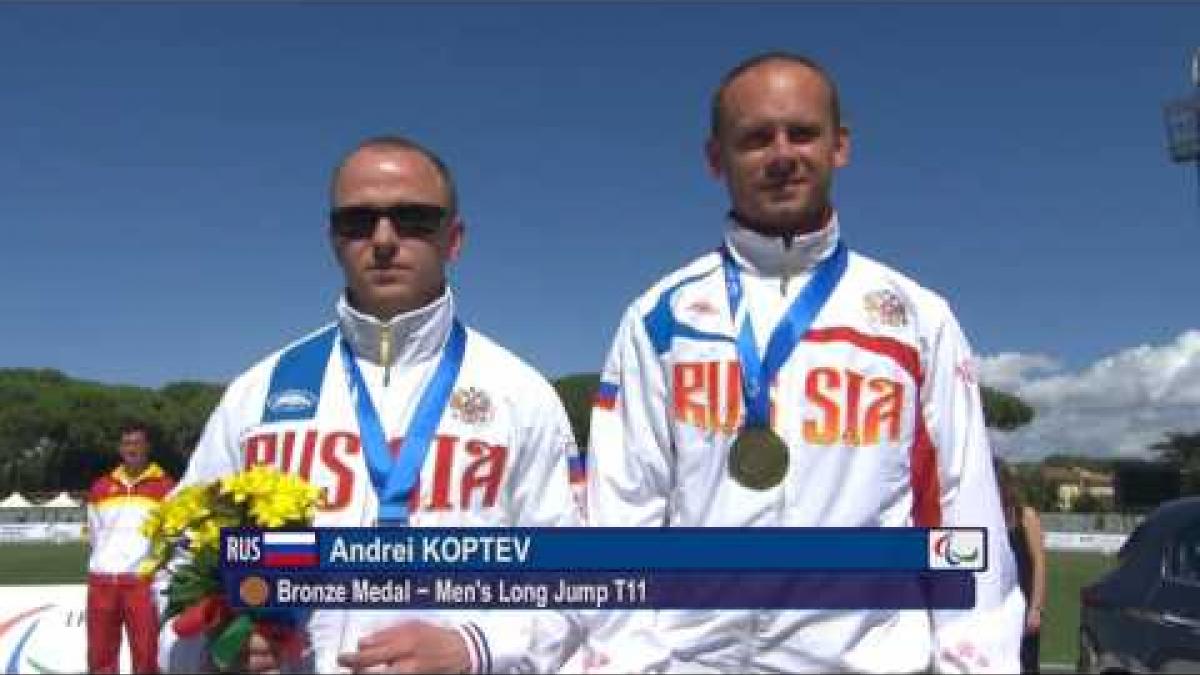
x: 333, y: 248
x: 456, y: 238
x: 712, y: 153
x: 841, y: 149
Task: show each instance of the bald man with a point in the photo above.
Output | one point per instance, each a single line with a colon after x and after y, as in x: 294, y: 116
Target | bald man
x: 483, y: 439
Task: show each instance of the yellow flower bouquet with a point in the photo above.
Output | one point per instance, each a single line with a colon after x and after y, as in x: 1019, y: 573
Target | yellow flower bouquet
x: 185, y: 532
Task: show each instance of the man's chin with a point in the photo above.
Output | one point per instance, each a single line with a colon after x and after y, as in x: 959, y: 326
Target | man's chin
x: 389, y: 301
x: 793, y: 219
x: 789, y: 224
x: 388, y: 287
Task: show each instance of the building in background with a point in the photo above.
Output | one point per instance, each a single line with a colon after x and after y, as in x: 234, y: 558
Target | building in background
x: 1077, y: 488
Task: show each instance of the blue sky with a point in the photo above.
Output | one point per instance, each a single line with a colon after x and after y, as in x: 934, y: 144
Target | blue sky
x: 165, y: 166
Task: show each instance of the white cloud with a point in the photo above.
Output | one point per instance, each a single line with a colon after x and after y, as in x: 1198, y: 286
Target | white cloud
x: 1118, y: 406
x: 1008, y: 370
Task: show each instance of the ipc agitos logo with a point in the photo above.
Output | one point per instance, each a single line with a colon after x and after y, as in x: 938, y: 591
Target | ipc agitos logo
x: 957, y: 549
x: 31, y: 641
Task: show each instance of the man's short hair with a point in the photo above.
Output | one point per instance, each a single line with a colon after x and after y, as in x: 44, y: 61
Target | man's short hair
x: 134, y: 427
x: 767, y: 57
x: 397, y: 142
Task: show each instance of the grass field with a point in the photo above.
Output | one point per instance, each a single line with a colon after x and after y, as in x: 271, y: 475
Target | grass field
x: 1067, y: 572
x: 42, y: 563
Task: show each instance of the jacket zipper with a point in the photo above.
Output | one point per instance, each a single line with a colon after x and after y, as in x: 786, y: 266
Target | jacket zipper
x: 385, y: 353
x: 784, y: 278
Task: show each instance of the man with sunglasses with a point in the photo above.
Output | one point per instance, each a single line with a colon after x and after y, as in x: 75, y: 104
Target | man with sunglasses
x: 403, y: 417
x: 782, y: 381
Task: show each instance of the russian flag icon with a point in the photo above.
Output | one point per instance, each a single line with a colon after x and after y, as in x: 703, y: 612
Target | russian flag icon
x: 290, y: 549
x: 606, y: 395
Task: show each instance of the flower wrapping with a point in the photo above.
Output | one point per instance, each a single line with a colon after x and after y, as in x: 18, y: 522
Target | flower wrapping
x: 185, y: 535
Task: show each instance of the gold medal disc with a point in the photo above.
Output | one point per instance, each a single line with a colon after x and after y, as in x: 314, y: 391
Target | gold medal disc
x: 758, y: 459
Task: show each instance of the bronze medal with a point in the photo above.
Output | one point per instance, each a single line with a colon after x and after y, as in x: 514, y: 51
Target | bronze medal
x: 254, y: 591
x: 758, y: 459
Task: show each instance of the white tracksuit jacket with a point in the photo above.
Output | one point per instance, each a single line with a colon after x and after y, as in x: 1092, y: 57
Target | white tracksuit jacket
x: 500, y: 458
x: 881, y: 411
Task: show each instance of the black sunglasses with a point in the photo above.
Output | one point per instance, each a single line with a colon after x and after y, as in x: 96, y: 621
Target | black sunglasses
x: 358, y: 222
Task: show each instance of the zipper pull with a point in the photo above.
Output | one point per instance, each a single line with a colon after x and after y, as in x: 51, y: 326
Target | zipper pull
x: 385, y: 353
x: 783, y: 279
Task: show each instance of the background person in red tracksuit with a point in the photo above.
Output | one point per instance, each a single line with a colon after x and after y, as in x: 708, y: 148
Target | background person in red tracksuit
x: 117, y: 504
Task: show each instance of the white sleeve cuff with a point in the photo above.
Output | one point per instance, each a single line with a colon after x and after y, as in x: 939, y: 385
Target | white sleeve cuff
x: 477, y: 648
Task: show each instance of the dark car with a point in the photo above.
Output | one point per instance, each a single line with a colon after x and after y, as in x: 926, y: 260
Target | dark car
x: 1144, y: 615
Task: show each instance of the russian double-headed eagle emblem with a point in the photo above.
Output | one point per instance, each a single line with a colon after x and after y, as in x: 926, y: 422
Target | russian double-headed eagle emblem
x: 472, y: 406
x: 885, y: 308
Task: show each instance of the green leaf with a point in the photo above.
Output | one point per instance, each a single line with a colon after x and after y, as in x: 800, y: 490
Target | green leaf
x: 226, y: 647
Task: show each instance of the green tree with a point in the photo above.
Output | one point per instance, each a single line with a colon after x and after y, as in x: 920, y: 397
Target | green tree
x: 182, y: 410
x: 1035, y: 489
x: 576, y: 393
x: 60, y: 433
x: 1100, y: 464
x: 1004, y: 411
x: 1182, y: 450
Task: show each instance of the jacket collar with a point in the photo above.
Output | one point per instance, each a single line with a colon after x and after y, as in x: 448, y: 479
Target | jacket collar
x: 408, y: 338
x: 150, y: 472
x: 771, y: 256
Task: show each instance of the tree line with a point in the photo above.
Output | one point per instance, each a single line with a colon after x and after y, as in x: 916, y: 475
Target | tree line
x: 60, y: 433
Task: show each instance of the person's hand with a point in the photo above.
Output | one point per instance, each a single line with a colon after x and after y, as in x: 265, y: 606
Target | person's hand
x: 1033, y: 620
x: 259, y: 656
x: 410, y: 647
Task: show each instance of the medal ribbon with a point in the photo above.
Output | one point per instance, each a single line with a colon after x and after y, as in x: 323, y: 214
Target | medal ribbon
x: 394, y: 480
x: 757, y: 374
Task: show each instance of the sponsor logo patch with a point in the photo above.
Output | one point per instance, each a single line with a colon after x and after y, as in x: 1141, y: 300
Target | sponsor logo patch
x: 292, y: 400
x: 702, y: 307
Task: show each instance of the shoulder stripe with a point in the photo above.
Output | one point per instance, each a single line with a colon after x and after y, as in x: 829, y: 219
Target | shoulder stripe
x: 926, y: 488
x: 295, y: 389
x: 660, y: 323
x: 904, y: 355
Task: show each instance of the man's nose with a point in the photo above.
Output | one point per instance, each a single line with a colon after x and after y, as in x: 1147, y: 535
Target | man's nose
x: 384, y: 234
x: 781, y: 167
x: 781, y: 162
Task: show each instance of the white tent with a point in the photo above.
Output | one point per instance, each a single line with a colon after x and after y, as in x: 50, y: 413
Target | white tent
x: 15, y: 501
x: 62, y: 501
